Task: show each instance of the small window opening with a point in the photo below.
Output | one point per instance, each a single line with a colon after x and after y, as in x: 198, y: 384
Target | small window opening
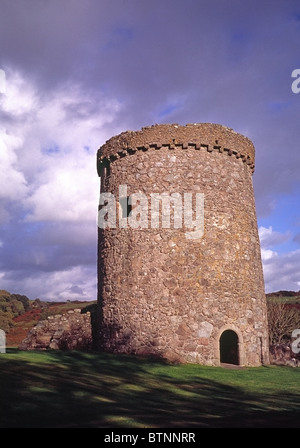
x: 105, y: 173
x: 106, y: 169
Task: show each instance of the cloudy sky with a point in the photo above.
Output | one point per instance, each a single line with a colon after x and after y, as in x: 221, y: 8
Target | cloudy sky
x: 76, y: 72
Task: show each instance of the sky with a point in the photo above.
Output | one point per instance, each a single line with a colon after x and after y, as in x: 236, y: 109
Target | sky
x: 74, y: 73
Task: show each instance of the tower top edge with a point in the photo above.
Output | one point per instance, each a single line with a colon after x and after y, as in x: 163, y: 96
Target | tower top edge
x: 210, y: 134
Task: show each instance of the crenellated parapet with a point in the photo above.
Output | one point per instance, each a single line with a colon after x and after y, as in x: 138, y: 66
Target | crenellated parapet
x: 199, y: 136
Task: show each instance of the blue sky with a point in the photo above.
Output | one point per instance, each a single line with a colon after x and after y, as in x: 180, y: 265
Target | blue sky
x: 79, y: 72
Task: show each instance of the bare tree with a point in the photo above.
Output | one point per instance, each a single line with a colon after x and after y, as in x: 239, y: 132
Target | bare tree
x: 282, y: 321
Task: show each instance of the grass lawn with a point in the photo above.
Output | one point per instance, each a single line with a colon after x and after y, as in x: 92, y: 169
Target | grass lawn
x: 72, y: 389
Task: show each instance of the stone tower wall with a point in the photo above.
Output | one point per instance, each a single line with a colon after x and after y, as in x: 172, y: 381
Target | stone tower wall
x: 161, y: 292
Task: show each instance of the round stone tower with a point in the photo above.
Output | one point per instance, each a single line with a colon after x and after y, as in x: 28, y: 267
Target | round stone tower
x: 179, y: 263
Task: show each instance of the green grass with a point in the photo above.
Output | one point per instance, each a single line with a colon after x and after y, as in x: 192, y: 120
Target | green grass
x: 92, y: 390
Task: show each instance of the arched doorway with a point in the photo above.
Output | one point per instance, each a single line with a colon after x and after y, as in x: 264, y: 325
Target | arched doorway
x: 229, y: 347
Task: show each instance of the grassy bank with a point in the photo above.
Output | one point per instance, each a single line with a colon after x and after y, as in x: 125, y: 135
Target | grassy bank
x: 79, y: 389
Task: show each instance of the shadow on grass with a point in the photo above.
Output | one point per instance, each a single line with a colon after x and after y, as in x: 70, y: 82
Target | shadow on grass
x: 80, y: 389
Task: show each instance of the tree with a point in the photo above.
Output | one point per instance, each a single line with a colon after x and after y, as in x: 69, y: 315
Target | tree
x: 282, y: 321
x: 6, y: 320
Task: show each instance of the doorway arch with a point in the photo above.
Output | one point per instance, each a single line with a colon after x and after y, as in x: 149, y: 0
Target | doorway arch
x: 229, y: 347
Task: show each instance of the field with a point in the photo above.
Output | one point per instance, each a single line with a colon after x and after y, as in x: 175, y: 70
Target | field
x: 57, y: 389
x: 61, y: 389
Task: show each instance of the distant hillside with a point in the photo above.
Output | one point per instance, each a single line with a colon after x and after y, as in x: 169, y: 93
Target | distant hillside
x: 288, y: 297
x: 18, y: 314
x: 285, y: 293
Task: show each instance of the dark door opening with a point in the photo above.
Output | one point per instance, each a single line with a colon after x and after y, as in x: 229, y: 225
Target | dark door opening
x: 229, y: 347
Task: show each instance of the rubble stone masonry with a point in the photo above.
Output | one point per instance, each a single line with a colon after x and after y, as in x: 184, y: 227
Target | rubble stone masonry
x: 196, y: 300
x: 69, y: 331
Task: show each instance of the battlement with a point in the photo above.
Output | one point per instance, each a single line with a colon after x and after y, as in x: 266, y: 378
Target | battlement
x: 197, y: 136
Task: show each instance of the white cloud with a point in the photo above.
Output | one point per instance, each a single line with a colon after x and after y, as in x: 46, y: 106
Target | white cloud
x: 281, y: 270
x: 269, y: 237
x: 69, y: 191
x: 268, y: 254
x: 12, y: 180
x: 19, y: 98
x: 48, y: 149
x: 55, y: 286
